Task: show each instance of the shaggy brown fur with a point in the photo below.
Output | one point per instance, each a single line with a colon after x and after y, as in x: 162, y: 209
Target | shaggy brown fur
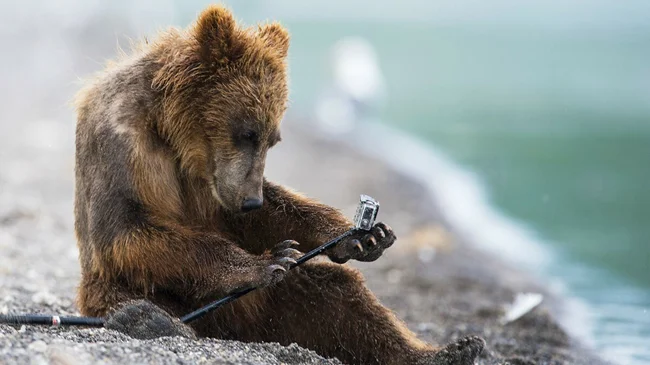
x: 171, y: 145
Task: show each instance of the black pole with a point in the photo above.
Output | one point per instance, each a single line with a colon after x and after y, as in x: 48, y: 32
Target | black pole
x: 218, y: 303
x: 51, y: 320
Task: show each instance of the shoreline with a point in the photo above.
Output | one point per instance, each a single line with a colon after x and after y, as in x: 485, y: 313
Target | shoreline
x: 466, y: 208
x: 438, y: 284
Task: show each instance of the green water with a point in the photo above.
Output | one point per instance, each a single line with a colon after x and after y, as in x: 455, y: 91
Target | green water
x: 557, y: 127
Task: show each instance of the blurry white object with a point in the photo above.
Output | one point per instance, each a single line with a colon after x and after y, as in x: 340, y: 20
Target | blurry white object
x: 356, y: 69
x: 523, y: 303
x: 426, y: 254
x: 357, y: 89
x: 335, y: 115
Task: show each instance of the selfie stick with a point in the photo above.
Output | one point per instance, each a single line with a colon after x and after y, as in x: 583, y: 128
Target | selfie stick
x: 364, y: 220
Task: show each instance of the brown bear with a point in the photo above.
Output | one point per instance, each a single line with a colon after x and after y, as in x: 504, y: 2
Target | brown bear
x: 172, y: 210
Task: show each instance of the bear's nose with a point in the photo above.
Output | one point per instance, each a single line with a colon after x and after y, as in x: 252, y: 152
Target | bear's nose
x: 251, y: 204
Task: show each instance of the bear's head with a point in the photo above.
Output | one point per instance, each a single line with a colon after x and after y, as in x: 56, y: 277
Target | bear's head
x: 224, y: 92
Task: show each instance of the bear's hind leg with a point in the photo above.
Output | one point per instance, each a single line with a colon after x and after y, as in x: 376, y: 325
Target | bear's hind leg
x: 327, y: 308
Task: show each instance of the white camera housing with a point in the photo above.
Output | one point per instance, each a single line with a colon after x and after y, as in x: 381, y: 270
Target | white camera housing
x: 366, y: 214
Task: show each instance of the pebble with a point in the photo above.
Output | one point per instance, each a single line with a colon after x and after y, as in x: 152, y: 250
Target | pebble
x: 44, y: 297
x: 38, y: 346
x: 67, y: 356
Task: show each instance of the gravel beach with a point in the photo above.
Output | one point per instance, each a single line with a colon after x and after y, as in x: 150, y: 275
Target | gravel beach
x: 438, y: 284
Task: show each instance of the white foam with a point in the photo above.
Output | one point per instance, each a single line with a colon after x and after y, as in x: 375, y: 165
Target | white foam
x: 523, y: 304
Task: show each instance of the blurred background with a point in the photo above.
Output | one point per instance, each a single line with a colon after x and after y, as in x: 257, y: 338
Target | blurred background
x: 545, y: 105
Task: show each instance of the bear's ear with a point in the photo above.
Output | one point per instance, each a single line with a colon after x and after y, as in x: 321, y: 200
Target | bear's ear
x: 215, y: 32
x: 276, y: 37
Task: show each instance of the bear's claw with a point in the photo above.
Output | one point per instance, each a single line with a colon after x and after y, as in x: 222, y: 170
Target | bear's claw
x: 364, y: 246
x: 282, y: 257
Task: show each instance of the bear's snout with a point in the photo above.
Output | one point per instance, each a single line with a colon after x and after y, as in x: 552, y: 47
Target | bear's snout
x: 251, y: 204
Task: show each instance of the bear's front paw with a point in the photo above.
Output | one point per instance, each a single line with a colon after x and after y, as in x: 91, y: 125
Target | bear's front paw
x: 364, y: 246
x: 280, y: 260
x: 143, y: 320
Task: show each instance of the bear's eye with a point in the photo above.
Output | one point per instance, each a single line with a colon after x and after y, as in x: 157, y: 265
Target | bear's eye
x: 250, y: 136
